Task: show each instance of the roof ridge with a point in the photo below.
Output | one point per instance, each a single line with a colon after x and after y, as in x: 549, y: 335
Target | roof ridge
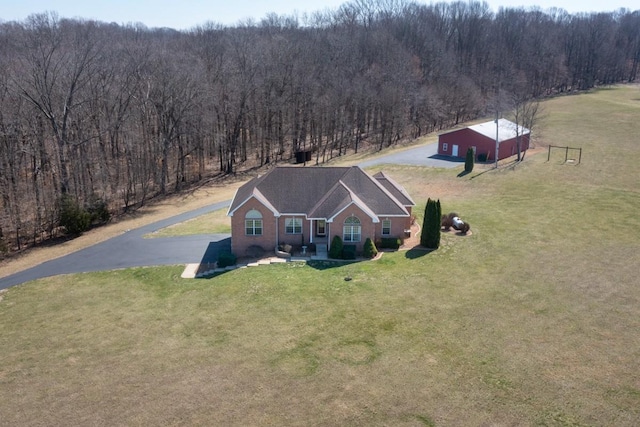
x: 385, y: 191
x: 326, y: 195
x: 397, y: 186
x: 361, y: 204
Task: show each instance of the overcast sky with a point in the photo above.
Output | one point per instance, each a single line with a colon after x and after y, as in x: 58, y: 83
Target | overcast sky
x: 185, y: 14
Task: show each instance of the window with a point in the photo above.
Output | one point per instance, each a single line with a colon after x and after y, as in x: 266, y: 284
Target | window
x: 445, y: 146
x: 293, y: 225
x: 386, y: 227
x: 351, y: 230
x: 253, y: 223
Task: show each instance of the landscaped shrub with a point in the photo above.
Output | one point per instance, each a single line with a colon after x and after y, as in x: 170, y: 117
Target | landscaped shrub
x: 430, y: 236
x: 255, y: 251
x: 349, y: 252
x: 369, y: 249
x: 73, y: 217
x: 285, y: 248
x: 446, y: 222
x: 468, y: 161
x: 335, y: 251
x: 390, y: 243
x: 226, y: 259
x: 482, y: 157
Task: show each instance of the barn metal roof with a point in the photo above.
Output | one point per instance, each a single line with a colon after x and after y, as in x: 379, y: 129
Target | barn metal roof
x: 506, y: 129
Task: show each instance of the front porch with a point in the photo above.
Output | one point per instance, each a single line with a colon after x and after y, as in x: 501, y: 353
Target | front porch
x: 318, y: 250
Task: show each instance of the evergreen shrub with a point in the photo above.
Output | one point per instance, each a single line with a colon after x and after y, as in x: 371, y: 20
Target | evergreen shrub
x: 430, y: 237
x: 349, y: 252
x: 369, y: 249
x: 390, y: 243
x: 226, y: 259
x: 335, y: 251
x: 97, y: 209
x: 74, y: 218
x: 469, y: 160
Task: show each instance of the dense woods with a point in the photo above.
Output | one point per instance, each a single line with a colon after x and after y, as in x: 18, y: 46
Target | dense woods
x: 100, y: 113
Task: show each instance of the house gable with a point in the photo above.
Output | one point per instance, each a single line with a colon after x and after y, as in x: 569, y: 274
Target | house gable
x: 240, y: 240
x: 258, y: 196
x: 355, y: 200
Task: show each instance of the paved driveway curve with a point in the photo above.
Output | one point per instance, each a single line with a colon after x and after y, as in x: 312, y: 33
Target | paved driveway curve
x: 131, y: 249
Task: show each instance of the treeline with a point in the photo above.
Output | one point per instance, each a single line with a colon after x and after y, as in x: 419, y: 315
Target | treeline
x: 112, y: 115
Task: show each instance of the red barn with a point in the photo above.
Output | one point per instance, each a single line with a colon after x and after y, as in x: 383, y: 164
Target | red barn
x: 482, y: 138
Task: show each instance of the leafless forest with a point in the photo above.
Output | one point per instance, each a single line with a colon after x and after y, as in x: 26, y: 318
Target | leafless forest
x: 113, y: 115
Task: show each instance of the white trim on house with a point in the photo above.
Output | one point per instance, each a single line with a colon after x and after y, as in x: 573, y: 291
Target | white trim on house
x: 259, y: 197
x: 363, y: 207
x: 229, y: 213
x: 388, y: 233
x: 295, y: 221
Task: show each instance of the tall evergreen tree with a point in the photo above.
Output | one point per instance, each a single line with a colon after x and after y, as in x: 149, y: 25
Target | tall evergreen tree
x: 469, y: 161
x: 430, y: 236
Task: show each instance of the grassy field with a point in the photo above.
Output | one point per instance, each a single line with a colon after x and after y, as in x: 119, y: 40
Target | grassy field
x: 534, y: 319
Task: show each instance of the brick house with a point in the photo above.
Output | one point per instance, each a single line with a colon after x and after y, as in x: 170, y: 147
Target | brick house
x: 482, y: 139
x: 308, y: 206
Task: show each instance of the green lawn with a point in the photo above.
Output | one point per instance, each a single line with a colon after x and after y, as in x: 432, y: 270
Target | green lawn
x: 216, y: 222
x: 531, y: 320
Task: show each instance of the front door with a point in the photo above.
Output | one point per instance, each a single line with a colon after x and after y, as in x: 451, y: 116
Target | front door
x: 321, y: 227
x: 454, y: 151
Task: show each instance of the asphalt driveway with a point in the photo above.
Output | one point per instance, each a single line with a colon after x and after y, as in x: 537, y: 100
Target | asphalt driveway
x: 131, y: 249
x: 424, y: 155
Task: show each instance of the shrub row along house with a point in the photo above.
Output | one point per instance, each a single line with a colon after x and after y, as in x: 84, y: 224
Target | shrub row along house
x: 308, y: 206
x: 482, y: 139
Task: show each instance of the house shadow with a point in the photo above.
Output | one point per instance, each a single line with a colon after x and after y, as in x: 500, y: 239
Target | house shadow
x: 211, y: 254
x: 214, y: 249
x: 326, y: 264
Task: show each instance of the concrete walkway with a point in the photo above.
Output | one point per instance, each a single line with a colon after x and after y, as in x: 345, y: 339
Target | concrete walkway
x: 195, y: 271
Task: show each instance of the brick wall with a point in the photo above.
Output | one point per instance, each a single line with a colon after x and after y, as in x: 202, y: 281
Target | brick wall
x: 240, y: 241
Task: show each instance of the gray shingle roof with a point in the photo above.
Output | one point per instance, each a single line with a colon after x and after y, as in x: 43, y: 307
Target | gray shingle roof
x: 322, y: 192
x: 394, y: 188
